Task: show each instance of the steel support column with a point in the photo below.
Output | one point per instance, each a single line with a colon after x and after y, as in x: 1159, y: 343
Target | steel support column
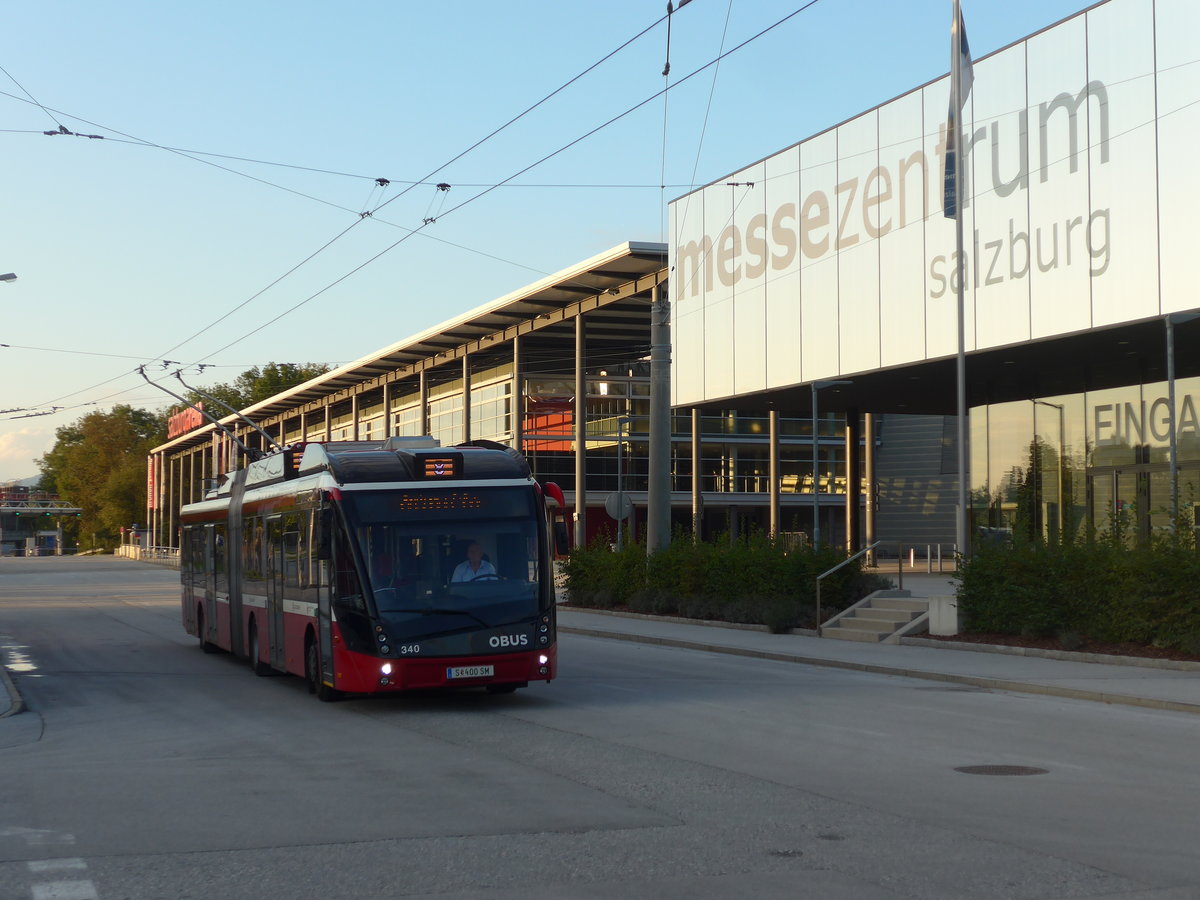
x: 773, y: 472
x: 697, y: 479
x: 518, y: 398
x: 658, y: 496
x: 853, y: 483
x: 580, y: 433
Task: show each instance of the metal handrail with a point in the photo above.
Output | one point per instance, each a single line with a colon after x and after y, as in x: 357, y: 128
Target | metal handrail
x: 844, y: 562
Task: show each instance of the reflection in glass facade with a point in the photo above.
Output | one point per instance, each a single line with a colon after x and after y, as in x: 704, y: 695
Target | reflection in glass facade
x: 1091, y: 460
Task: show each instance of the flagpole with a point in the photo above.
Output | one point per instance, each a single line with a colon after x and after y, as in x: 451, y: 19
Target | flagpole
x: 961, y: 530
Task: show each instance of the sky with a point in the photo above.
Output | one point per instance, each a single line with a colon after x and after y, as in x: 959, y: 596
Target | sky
x: 228, y: 214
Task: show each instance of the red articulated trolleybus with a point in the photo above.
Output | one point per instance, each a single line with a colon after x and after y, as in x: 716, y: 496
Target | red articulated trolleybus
x: 377, y: 567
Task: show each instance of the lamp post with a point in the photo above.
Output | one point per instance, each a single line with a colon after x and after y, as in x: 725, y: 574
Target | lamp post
x: 1172, y: 320
x: 816, y: 386
x: 1062, y: 446
x: 622, y: 422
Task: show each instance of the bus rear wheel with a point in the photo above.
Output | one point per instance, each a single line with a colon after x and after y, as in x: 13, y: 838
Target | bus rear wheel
x: 312, y: 672
x: 204, y: 644
x: 256, y: 664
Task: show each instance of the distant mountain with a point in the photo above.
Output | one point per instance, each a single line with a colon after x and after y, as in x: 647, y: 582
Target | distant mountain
x: 30, y: 482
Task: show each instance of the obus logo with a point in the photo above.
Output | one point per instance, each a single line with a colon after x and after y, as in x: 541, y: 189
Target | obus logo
x: 509, y: 640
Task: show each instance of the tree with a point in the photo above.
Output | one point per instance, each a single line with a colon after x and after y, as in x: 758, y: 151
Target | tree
x: 257, y: 384
x: 98, y: 463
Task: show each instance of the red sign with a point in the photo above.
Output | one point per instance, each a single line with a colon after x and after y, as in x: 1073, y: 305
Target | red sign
x: 184, y: 421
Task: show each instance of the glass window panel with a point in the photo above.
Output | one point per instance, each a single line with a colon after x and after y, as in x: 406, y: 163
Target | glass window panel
x: 1177, y: 22
x: 1059, y: 105
x: 689, y: 259
x: 1122, y: 156
x: 748, y: 274
x: 900, y: 223
x: 782, y: 185
x: 1115, y: 426
x: 858, y: 252
x: 999, y: 260
x: 819, y: 271
x: 941, y: 304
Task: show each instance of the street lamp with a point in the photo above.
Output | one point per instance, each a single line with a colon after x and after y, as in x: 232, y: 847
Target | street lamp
x: 1062, y: 448
x: 816, y: 386
x: 1172, y: 320
x: 622, y: 422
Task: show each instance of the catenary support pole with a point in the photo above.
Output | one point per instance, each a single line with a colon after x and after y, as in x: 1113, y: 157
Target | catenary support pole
x: 658, y: 518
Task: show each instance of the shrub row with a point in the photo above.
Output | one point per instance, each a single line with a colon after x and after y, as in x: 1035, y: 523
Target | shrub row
x: 1095, y: 589
x: 751, y: 579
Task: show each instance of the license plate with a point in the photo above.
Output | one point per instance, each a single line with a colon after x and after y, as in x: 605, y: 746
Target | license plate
x: 471, y: 672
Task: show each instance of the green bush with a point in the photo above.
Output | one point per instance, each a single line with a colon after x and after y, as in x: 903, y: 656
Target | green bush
x: 1096, y: 588
x: 751, y: 579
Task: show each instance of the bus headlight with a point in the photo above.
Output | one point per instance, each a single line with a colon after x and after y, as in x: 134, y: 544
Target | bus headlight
x: 386, y: 669
x: 542, y: 660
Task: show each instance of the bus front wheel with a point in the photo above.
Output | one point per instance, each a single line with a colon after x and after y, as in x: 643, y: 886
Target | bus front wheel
x: 312, y: 671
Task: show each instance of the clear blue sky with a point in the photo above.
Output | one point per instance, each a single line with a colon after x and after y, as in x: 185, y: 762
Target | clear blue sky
x: 129, y: 252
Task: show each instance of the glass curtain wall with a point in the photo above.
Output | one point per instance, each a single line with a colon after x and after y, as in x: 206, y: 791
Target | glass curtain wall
x: 1060, y: 465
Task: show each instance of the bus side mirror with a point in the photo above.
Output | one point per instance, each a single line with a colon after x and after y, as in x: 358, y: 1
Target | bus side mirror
x: 325, y: 533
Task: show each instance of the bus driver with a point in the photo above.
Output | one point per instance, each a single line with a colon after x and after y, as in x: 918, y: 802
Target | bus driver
x: 474, y: 566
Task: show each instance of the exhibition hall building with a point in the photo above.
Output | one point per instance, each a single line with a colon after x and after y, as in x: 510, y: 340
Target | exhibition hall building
x: 813, y: 306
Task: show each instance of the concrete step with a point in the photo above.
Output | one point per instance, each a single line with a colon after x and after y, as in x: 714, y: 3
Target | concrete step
x: 848, y: 634
x: 916, y: 604
x: 860, y: 623
x: 888, y: 613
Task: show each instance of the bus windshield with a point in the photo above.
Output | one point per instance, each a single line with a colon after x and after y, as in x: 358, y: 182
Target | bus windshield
x: 446, y: 561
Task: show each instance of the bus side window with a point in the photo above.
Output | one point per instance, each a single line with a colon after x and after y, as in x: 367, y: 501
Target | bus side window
x: 345, y: 577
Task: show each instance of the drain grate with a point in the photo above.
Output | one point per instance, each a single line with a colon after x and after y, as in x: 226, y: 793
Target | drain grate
x: 1001, y: 770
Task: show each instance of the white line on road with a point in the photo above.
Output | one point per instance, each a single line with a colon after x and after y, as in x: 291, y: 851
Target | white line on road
x: 54, y: 865
x: 65, y: 890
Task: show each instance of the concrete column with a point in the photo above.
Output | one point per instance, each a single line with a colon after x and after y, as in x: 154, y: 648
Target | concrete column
x: 328, y: 422
x: 853, y: 483
x: 466, y: 395
x: 580, y: 433
x: 354, y: 417
x: 773, y: 473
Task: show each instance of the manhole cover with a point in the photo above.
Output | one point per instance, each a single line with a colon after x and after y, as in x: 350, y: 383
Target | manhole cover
x: 1001, y: 770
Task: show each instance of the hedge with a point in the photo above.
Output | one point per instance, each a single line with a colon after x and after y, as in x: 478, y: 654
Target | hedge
x: 751, y: 579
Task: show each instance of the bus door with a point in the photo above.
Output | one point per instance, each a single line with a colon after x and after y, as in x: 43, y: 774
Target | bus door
x: 275, y: 578
x: 208, y: 585
x: 336, y: 556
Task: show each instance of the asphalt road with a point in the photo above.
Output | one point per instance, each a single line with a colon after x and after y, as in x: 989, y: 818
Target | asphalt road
x: 143, y: 768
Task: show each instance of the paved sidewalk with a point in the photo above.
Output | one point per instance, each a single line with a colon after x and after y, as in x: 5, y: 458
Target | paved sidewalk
x: 1147, y: 683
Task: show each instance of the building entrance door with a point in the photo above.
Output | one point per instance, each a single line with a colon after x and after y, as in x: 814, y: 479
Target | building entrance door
x: 1136, y: 499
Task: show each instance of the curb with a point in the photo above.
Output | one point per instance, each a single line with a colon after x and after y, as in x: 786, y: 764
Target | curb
x: 16, y: 703
x: 998, y: 684
x: 1179, y: 665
